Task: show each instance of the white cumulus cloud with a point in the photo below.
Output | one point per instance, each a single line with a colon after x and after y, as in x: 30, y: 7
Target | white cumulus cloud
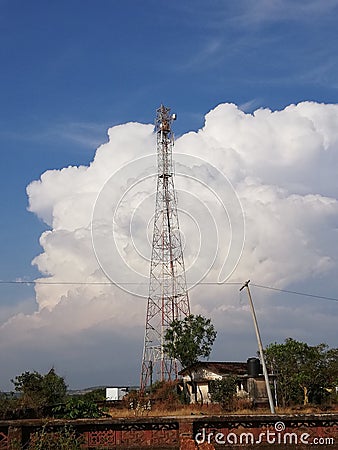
x: 273, y: 171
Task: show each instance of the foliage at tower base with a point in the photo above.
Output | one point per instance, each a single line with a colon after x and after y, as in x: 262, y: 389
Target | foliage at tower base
x: 188, y: 340
x: 305, y: 374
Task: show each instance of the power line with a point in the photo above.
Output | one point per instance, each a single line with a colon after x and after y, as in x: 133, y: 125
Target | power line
x: 98, y: 283
x: 108, y: 283
x: 130, y: 283
x: 304, y: 294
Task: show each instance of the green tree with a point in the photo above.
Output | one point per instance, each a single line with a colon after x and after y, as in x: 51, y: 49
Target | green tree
x: 39, y: 390
x: 304, y: 372
x: 188, y: 340
x: 54, y: 388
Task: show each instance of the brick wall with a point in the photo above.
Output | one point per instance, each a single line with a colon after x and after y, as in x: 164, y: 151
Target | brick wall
x: 187, y: 433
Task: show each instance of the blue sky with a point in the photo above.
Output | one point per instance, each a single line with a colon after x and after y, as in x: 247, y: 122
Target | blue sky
x: 72, y: 69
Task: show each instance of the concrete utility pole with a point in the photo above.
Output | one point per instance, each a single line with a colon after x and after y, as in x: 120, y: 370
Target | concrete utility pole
x: 260, y: 347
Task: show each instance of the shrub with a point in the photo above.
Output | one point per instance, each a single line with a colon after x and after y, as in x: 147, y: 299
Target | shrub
x: 223, y: 391
x: 165, y: 393
x: 63, y: 439
x: 77, y: 408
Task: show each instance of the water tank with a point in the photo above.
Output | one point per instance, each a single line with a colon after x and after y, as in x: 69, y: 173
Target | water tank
x: 254, y: 366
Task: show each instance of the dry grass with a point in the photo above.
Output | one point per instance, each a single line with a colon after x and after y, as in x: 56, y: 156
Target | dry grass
x: 160, y: 411
x: 211, y: 409
x: 166, y: 402
x: 309, y: 409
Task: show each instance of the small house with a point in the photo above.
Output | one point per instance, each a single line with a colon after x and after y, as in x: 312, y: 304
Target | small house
x: 250, y: 380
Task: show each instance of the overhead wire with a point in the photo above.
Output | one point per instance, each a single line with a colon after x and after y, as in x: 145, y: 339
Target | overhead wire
x: 114, y: 283
x: 304, y: 294
x: 130, y: 283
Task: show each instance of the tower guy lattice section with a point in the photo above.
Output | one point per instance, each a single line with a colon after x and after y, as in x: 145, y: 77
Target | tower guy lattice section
x: 168, y: 296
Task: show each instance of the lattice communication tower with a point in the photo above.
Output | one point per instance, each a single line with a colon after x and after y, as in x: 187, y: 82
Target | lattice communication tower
x: 168, y: 296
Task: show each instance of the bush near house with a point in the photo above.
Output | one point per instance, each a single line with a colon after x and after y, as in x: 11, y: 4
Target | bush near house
x: 223, y: 391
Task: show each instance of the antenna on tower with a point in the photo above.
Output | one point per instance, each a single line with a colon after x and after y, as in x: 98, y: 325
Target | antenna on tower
x: 168, y: 296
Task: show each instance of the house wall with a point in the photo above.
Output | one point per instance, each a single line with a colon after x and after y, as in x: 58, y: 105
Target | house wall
x: 253, y: 388
x: 257, y: 390
x: 201, y: 379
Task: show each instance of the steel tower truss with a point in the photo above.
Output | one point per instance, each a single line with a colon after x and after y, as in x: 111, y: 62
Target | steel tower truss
x: 168, y: 296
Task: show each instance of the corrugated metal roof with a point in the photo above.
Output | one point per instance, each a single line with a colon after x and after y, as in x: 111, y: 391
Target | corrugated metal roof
x: 220, y: 368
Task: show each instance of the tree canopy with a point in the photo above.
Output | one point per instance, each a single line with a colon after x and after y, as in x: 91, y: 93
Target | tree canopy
x: 39, y: 390
x: 304, y: 373
x: 189, y: 339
